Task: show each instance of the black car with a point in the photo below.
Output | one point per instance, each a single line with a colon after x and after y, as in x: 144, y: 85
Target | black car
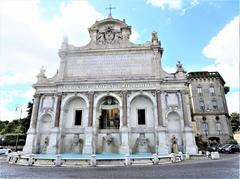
x: 214, y: 148
x: 231, y: 148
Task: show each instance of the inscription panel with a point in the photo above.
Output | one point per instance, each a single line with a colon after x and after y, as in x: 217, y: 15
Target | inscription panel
x: 109, y: 65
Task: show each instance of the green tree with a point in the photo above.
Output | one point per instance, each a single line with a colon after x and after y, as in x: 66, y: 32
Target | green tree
x: 10, y: 128
x: 3, y: 124
x: 25, y: 122
x: 18, y: 126
x: 235, y: 121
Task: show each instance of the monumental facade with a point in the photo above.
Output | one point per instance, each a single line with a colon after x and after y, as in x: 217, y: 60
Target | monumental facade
x: 111, y: 96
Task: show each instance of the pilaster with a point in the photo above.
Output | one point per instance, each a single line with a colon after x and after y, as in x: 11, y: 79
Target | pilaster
x: 31, y: 134
x: 124, y: 148
x: 90, y: 111
x: 159, y: 108
x: 184, y: 108
x: 58, y: 110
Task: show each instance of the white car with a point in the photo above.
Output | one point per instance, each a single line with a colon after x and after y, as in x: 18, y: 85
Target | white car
x: 4, y: 150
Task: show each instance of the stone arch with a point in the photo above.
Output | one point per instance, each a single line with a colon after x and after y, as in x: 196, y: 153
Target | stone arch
x: 68, y: 98
x: 142, y: 104
x: 70, y: 104
x: 102, y: 95
x: 146, y: 94
x: 45, y: 122
x: 174, y: 128
x: 98, y: 111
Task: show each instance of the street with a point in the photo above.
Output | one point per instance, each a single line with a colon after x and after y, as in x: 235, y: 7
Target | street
x: 226, y: 167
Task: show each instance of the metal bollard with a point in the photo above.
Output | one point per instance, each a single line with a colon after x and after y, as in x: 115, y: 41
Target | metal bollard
x: 155, y: 159
x: 208, y: 154
x: 173, y: 157
x: 181, y: 156
x: 14, y: 158
x: 9, y: 157
x: 93, y: 161
x: 187, y: 157
x: 31, y: 160
x: 58, y: 161
x: 127, y: 160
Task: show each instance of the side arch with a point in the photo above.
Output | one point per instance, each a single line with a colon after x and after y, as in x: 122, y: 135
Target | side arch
x: 146, y: 94
x: 68, y: 98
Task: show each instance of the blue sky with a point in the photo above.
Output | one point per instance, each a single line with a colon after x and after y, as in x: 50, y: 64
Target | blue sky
x: 202, y: 34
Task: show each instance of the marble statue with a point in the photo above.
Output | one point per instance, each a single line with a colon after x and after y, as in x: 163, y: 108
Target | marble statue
x: 108, y: 143
x: 76, y: 144
x: 45, y: 145
x: 174, y: 148
x: 142, y: 144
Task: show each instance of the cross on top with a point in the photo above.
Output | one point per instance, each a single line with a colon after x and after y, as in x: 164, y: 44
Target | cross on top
x: 110, y: 8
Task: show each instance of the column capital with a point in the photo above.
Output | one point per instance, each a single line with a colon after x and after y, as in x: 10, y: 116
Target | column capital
x: 124, y: 91
x: 91, y: 92
x: 159, y: 91
x: 37, y: 95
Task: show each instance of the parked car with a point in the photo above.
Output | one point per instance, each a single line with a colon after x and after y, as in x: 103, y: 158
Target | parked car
x: 4, y: 150
x: 222, y: 148
x: 232, y: 148
x: 214, y: 148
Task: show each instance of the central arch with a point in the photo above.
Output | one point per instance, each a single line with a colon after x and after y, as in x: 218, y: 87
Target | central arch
x: 108, y: 113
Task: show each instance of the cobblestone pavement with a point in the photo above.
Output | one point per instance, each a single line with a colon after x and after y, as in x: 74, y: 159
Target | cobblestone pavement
x: 226, y: 167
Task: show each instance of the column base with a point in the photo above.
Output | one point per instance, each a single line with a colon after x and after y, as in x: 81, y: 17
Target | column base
x: 53, y: 141
x: 29, y: 145
x: 191, y: 147
x: 124, y: 149
x: 88, y: 146
x: 162, y: 148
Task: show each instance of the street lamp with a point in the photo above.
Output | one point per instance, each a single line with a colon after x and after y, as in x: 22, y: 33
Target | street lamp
x: 17, y: 107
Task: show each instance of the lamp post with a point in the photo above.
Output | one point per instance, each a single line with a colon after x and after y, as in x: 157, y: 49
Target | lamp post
x: 18, y: 106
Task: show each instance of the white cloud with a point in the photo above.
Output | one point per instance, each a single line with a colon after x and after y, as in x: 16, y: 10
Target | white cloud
x: 171, y: 4
x: 6, y: 99
x: 179, y: 5
x: 233, y: 101
x: 170, y: 69
x: 223, y: 49
x: 29, y: 42
x: 134, y: 35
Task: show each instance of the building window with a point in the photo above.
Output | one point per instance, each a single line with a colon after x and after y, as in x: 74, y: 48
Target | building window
x: 212, y: 90
x: 78, y: 118
x: 199, y: 91
x: 141, y: 117
x: 202, y: 106
x: 219, y: 128
x: 214, y: 102
x: 205, y: 128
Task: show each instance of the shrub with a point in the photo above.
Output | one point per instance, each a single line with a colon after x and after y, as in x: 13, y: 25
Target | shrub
x: 231, y: 141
